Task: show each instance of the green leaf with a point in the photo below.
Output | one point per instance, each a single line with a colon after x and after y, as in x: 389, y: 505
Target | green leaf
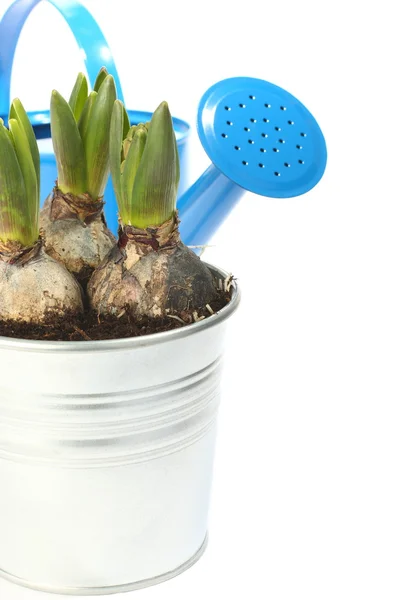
x: 102, y: 74
x: 116, y: 137
x: 155, y: 190
x: 85, y: 116
x: 97, y: 138
x: 7, y: 131
x: 127, y: 124
x: 128, y: 140
x: 14, y: 225
x: 68, y: 147
x: 131, y: 166
x: 18, y: 112
x: 78, y: 96
x: 27, y: 167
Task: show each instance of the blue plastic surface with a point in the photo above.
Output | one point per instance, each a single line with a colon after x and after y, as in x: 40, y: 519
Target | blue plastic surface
x: 95, y: 48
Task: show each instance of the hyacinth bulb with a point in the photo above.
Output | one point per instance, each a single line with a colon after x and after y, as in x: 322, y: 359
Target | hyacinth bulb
x: 149, y: 273
x: 33, y: 286
x: 72, y: 220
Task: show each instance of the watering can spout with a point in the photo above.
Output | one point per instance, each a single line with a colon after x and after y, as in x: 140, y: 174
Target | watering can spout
x: 204, y: 206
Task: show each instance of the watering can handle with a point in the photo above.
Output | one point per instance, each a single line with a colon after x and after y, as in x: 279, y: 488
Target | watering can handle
x: 87, y: 33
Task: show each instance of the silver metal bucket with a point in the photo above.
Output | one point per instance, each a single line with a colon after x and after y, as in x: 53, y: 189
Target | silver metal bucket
x: 106, y: 454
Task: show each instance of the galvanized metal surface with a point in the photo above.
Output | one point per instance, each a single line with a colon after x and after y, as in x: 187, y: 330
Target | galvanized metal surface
x: 106, y: 454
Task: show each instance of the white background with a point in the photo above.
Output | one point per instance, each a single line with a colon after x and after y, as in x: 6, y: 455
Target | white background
x: 306, y: 499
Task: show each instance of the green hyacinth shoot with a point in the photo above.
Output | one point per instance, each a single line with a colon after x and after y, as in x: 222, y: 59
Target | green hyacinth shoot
x: 19, y: 179
x: 80, y: 131
x: 144, y: 166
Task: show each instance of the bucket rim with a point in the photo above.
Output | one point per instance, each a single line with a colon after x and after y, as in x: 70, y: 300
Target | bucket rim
x: 131, y: 343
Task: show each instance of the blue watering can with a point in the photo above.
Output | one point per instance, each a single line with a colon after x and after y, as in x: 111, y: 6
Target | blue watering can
x: 259, y: 137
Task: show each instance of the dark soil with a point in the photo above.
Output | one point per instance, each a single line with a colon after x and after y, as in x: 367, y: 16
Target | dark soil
x: 90, y: 326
